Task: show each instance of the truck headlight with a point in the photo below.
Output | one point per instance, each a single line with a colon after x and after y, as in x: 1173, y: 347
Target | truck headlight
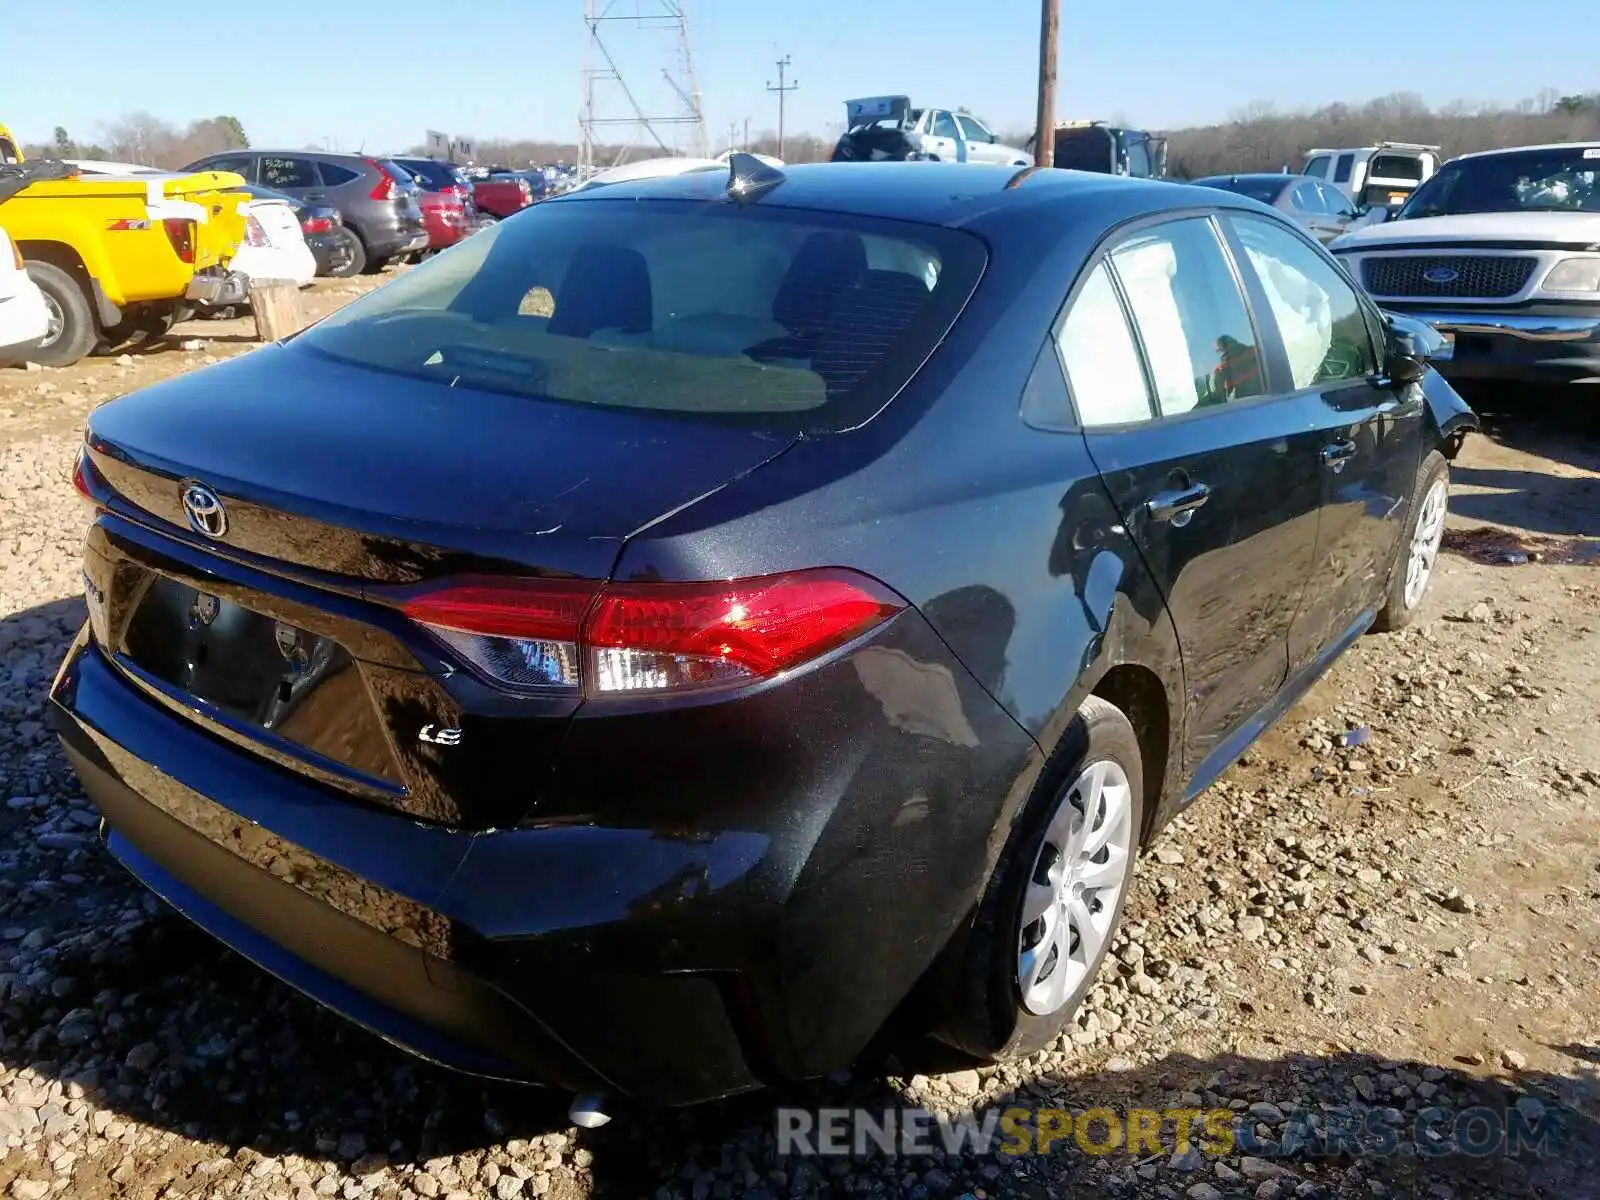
x: 1574, y: 275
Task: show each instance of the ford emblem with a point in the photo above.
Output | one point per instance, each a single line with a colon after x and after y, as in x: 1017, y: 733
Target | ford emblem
x: 1441, y: 274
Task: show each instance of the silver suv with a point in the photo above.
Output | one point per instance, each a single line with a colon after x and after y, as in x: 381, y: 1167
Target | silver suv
x: 381, y: 217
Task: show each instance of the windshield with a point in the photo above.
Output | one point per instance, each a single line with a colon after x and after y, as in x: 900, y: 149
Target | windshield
x: 1558, y: 179
x: 1264, y: 190
x: 773, y: 317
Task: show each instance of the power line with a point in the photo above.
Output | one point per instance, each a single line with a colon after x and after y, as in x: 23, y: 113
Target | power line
x: 603, y: 81
x: 783, y: 91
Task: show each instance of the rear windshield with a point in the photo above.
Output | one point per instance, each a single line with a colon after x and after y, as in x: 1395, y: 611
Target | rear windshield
x: 1086, y: 149
x: 744, y: 314
x: 439, y: 175
x: 1396, y: 166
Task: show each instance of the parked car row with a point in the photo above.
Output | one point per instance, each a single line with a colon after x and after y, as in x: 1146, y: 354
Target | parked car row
x: 381, y: 218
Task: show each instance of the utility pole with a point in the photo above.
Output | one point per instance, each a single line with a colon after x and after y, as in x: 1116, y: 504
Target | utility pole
x: 733, y: 134
x: 1044, y: 140
x: 745, y: 145
x: 783, y: 94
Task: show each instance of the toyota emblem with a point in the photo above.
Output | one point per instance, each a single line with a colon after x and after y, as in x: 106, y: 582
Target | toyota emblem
x: 205, y: 511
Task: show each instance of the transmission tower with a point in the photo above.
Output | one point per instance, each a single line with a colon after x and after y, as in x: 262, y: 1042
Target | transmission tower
x: 615, y: 112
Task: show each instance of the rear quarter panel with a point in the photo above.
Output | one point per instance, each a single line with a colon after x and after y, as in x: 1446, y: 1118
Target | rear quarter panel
x: 1006, y: 542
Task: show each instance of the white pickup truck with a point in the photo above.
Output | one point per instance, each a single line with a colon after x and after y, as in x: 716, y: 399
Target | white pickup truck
x: 888, y: 129
x: 1500, y: 252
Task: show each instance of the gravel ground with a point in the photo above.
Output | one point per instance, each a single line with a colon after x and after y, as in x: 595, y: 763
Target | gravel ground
x: 1391, y: 904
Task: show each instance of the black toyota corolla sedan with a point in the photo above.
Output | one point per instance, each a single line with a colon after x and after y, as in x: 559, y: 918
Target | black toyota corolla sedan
x: 699, y: 625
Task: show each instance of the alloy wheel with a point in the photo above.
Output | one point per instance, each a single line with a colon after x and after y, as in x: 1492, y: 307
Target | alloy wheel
x: 55, y: 320
x: 1425, y: 539
x: 1073, y: 890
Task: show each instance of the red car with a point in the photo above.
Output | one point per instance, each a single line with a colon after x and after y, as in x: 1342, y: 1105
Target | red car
x: 445, y: 199
x: 503, y: 194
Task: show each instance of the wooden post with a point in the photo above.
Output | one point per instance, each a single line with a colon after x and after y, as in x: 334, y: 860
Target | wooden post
x: 1044, y: 142
x: 276, y: 305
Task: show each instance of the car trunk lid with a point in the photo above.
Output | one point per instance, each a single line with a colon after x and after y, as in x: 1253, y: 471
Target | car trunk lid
x: 343, y: 488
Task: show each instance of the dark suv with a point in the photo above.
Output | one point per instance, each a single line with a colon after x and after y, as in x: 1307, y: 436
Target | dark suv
x: 380, y: 211
x: 681, y: 632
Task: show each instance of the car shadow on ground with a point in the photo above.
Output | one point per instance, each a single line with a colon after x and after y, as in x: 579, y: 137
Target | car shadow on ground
x: 196, y: 1041
x: 1540, y: 425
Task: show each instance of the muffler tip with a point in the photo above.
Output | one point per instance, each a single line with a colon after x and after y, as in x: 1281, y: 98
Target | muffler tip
x: 586, y: 1113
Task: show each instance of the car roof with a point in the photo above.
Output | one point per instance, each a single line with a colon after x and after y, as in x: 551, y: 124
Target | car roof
x: 1526, y: 149
x: 930, y: 193
x: 1253, y: 177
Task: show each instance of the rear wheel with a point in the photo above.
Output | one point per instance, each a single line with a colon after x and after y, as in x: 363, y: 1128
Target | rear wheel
x: 71, y: 331
x: 1413, y: 568
x: 1055, y: 901
x: 357, y: 260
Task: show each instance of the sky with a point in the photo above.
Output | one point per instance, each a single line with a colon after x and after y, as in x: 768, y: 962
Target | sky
x: 377, y: 73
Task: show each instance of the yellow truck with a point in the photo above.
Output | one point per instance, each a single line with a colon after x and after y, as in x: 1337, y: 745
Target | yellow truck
x: 119, y: 255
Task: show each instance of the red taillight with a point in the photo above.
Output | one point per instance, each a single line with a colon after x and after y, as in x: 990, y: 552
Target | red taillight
x: 650, y: 637
x: 384, y: 189
x: 84, y: 476
x: 254, y: 234
x: 180, y: 232
x: 317, y: 225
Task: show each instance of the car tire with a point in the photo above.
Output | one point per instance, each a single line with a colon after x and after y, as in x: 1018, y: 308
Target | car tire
x: 1419, y: 549
x: 1012, y: 998
x: 69, y: 308
x: 358, y: 256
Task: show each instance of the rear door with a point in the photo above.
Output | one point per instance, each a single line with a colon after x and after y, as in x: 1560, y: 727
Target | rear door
x: 979, y: 141
x: 1217, y: 477
x: 1369, y: 433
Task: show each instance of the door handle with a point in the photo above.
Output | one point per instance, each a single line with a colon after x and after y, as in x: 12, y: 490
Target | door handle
x: 1178, y: 504
x: 1336, y: 454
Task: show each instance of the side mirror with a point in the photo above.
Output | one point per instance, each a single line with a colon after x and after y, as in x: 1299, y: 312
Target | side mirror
x: 1413, y: 347
x: 994, y: 139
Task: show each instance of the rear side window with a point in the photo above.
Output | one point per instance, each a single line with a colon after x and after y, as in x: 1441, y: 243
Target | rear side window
x: 751, y: 315
x: 288, y: 172
x: 1322, y: 323
x: 333, y: 175
x: 1190, y: 316
x: 1097, y: 351
x: 1341, y: 169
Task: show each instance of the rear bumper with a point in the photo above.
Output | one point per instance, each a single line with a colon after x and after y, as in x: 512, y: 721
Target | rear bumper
x: 676, y: 958
x: 330, y: 250
x: 216, y: 286
x: 1543, y: 344
x: 24, y: 321
x: 387, y: 241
